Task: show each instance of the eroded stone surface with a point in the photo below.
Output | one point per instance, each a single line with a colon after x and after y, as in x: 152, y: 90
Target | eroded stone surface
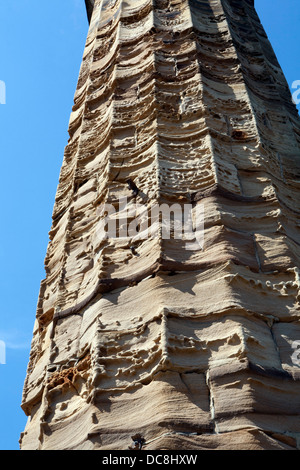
x: 191, y: 349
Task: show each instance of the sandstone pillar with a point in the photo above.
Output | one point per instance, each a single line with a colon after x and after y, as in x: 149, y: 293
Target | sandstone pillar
x: 178, y: 102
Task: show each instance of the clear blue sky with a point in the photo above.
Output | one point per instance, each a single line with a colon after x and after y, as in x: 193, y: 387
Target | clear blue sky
x: 41, y: 46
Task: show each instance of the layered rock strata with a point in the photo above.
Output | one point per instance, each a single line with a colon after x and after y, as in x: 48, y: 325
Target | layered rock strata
x: 190, y: 348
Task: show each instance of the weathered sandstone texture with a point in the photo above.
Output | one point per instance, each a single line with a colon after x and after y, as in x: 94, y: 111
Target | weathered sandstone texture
x: 191, y: 349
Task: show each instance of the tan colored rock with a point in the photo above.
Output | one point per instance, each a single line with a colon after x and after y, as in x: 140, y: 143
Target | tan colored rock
x: 178, y: 102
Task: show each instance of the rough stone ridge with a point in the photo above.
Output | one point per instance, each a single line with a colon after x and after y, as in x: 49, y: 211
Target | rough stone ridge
x: 190, y: 349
